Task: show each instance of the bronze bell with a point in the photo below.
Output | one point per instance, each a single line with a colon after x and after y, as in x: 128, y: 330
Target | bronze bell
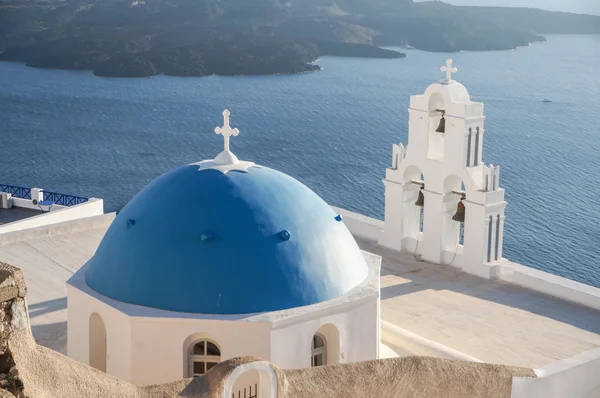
x: 442, y: 127
x: 460, y: 212
x: 421, y: 199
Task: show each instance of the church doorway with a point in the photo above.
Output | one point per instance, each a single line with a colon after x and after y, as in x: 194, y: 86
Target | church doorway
x: 97, y: 341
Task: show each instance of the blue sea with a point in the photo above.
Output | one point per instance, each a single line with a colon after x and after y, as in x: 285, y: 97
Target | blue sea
x: 333, y: 130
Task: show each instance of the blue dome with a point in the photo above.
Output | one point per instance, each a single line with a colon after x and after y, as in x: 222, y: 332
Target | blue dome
x: 235, y: 243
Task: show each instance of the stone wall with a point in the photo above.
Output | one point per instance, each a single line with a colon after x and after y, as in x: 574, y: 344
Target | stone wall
x: 13, y: 316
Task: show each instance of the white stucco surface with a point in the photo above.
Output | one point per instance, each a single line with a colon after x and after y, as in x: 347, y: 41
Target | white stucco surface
x: 356, y: 337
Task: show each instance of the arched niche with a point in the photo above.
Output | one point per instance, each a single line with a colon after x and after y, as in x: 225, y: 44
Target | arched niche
x: 436, y: 101
x: 453, y: 183
x: 97, y: 342
x: 412, y: 173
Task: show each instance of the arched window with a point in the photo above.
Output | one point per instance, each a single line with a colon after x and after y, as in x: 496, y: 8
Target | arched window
x: 203, y: 355
x: 319, y: 350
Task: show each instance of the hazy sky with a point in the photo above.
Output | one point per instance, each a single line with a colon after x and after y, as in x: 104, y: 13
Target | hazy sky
x: 578, y: 6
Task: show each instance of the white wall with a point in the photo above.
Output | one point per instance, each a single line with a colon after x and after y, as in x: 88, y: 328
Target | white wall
x: 91, y: 208
x: 159, y: 345
x: 80, y: 307
x: 575, y: 377
x: 146, y: 351
x: 358, y: 329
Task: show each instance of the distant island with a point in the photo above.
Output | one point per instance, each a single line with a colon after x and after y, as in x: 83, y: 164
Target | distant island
x: 136, y: 38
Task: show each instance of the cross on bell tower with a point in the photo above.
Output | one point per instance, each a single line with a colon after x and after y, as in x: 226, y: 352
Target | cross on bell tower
x: 449, y: 69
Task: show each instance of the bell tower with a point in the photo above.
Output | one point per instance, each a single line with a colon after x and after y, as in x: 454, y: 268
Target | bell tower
x: 441, y: 202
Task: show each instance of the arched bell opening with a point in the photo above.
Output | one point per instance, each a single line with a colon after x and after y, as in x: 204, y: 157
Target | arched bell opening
x: 453, y: 214
x: 437, y: 127
x: 413, y: 206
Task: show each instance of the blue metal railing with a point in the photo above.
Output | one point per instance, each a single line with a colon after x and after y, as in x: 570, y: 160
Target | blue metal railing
x: 17, y: 192
x: 58, y: 198
x: 64, y: 200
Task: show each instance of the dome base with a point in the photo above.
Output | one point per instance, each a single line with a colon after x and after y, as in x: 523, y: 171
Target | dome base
x: 225, y: 162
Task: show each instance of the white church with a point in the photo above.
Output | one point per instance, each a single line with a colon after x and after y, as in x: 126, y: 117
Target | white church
x: 252, y: 263
x: 255, y: 263
x: 225, y: 258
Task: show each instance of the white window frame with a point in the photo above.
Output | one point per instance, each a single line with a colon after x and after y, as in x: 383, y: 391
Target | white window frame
x: 205, y: 358
x: 318, y: 350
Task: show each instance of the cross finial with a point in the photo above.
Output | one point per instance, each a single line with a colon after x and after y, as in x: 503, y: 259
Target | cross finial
x: 449, y: 70
x: 226, y: 131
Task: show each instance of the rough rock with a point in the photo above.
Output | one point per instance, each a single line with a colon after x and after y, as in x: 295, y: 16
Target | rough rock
x: 19, y: 314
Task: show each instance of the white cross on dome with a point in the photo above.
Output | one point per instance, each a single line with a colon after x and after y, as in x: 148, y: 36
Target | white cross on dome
x: 226, y: 160
x: 226, y: 131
